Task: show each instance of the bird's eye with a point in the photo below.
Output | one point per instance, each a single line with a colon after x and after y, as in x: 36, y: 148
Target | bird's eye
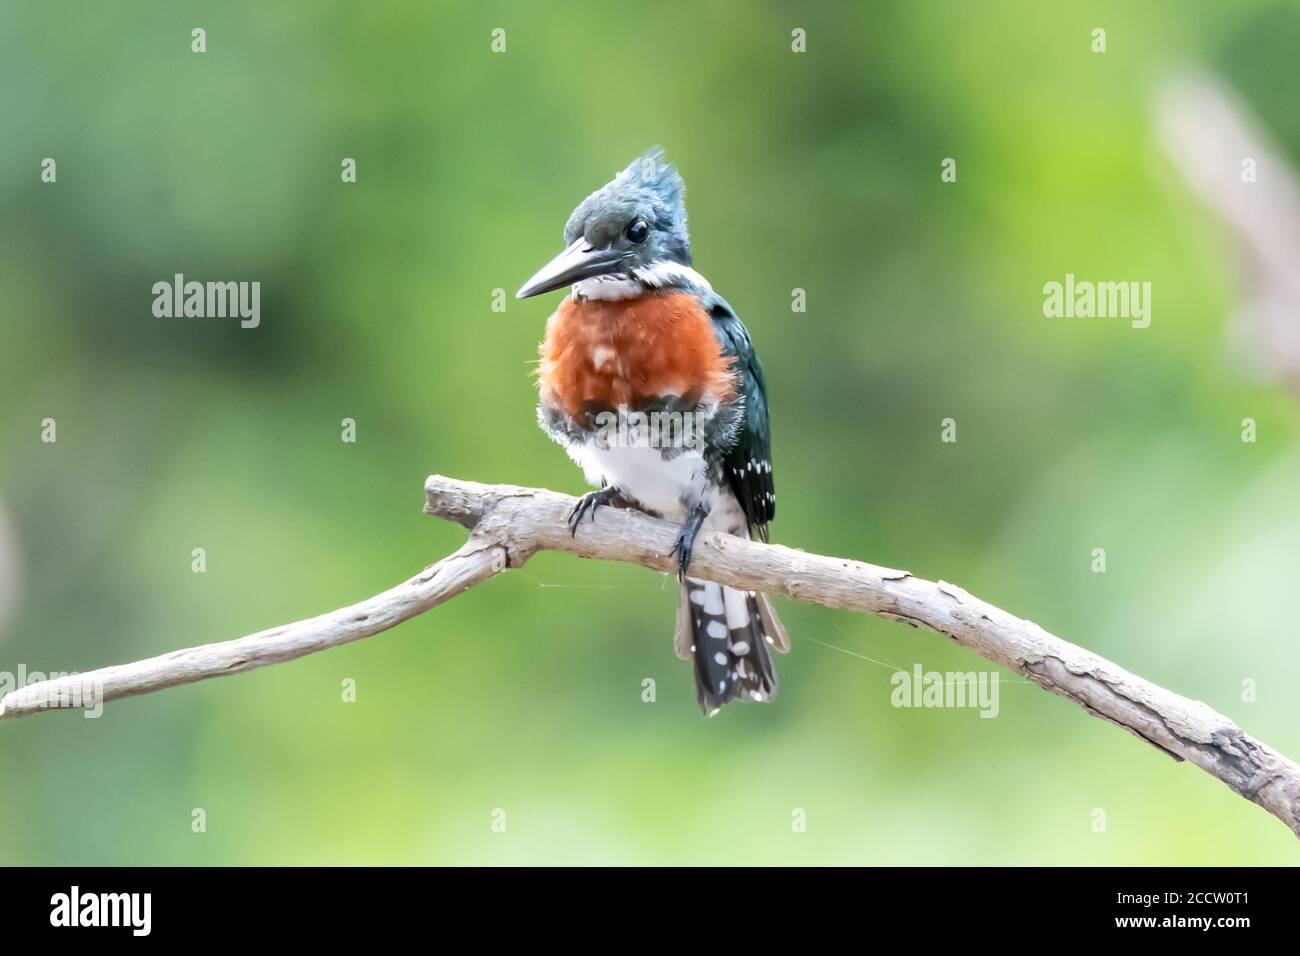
x: 638, y: 230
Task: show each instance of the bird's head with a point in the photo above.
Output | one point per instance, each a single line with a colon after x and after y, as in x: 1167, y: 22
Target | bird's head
x: 632, y: 223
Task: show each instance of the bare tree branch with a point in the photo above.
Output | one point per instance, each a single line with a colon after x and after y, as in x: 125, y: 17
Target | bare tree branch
x: 477, y: 561
x: 508, y: 524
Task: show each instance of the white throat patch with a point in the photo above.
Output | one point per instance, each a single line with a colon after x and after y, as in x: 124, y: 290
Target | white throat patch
x: 609, y: 288
x: 658, y: 275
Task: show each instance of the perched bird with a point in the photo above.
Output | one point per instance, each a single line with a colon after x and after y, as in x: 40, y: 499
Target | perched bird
x: 649, y: 380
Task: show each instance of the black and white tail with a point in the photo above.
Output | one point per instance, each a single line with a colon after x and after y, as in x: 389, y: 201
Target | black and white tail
x: 727, y: 633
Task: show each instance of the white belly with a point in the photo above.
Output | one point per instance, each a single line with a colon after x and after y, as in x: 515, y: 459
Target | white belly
x: 662, y: 485
x: 670, y: 487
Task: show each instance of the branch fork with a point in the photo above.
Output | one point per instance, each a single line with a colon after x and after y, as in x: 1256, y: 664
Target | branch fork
x: 508, y: 524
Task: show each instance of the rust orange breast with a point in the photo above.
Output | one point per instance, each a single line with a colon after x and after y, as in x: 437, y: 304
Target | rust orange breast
x: 624, y: 352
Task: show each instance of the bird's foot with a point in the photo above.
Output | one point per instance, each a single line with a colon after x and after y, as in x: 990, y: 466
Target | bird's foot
x: 588, y: 504
x: 686, y: 540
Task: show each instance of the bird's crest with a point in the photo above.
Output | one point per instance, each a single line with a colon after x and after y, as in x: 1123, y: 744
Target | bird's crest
x: 648, y: 187
x: 652, y: 171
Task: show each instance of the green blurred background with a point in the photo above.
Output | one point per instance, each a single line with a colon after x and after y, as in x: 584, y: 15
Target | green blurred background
x: 817, y: 171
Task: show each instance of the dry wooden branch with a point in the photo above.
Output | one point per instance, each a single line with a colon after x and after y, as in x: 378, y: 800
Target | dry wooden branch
x: 508, y: 524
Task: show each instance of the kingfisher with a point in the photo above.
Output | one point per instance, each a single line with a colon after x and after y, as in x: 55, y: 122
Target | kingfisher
x: 649, y: 380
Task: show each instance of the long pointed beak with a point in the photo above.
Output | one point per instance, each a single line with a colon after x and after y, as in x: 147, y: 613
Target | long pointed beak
x: 579, y: 261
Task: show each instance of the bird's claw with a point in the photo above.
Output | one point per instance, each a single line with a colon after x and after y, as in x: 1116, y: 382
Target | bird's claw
x: 683, y: 550
x: 588, y: 504
x: 685, y: 544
